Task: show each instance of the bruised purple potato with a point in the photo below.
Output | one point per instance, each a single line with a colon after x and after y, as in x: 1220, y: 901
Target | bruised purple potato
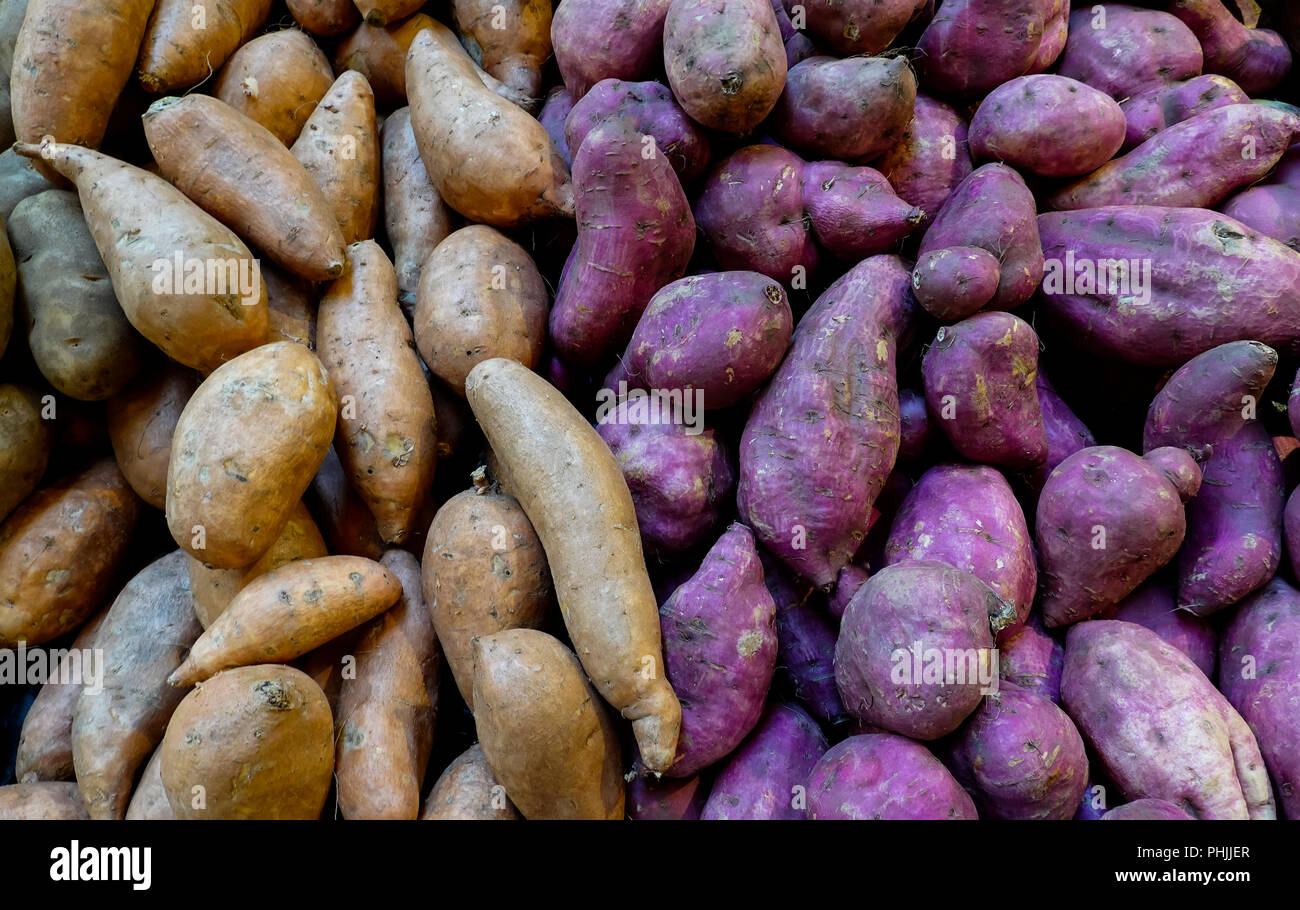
x: 1210, y: 398
x: 1157, y: 50
x: 880, y: 776
x: 588, y: 50
x: 1157, y: 109
x: 1066, y: 433
x: 956, y: 282
x: 653, y: 112
x: 553, y: 116
x: 1153, y: 607
x: 762, y: 779
x: 719, y: 633
x: 805, y: 643
x: 1146, y: 810
x: 931, y: 159
x: 1030, y: 658
x: 854, y: 211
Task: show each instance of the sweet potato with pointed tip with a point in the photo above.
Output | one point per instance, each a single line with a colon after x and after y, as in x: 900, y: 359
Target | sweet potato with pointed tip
x: 931, y: 157
x: 853, y: 211
x: 416, y: 219
x: 760, y: 780
x: 141, y: 421
x: 181, y: 49
x: 1179, y: 468
x: 339, y: 147
x: 882, y: 776
x: 467, y: 790
x: 1123, y: 50
x: 1210, y: 398
x: 25, y: 439
x: 512, y: 41
x: 276, y: 80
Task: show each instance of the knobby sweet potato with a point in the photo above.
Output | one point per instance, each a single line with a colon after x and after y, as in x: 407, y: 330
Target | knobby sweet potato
x: 853, y: 211
x: 956, y: 282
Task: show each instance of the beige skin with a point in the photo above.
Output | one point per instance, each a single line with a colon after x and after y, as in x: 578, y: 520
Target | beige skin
x: 547, y: 738
x: 468, y: 791
x: 277, y: 80
x: 258, y: 740
x: 141, y: 421
x: 325, y: 17
x: 339, y: 147
x: 387, y: 435
x: 488, y: 158
x: 225, y: 163
x: 149, y: 801
x: 244, y: 451
x: 513, y: 39
x: 292, y: 307
x: 24, y: 445
x: 59, y: 553
x: 115, y: 728
x: 387, y: 711
x: 484, y: 571
x: 573, y: 491
x: 480, y: 296
x: 175, y: 55
x: 382, y: 12
x: 415, y: 218
x: 138, y: 219
x: 288, y: 612
x: 42, y: 801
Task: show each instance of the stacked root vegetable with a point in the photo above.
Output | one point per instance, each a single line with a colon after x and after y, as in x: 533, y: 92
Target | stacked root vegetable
x: 642, y: 409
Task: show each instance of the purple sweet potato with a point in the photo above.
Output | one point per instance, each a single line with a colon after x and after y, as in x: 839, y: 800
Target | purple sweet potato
x: 851, y: 27
x: 635, y: 234
x: 993, y: 209
x: 823, y: 435
x: 915, y: 428
x: 1196, y: 163
x: 554, y: 116
x: 956, y: 282
x: 1291, y: 528
x: 1157, y: 109
x: 1030, y: 658
x: 678, y: 474
x: 1259, y: 659
x: 1234, y: 525
x: 1107, y: 521
x: 979, y: 382
x: 915, y: 652
x: 1158, y: 726
x: 851, y: 578
x: 1179, y: 468
x: 1123, y: 50
x: 852, y: 109
x: 719, y: 632
x: 1245, y: 286
x: 973, y: 46
x: 764, y: 778
x: 930, y: 159
x: 1056, y: 31
x: 882, y: 776
x: 1066, y: 433
x: 1256, y: 58
x: 854, y: 211
x: 596, y: 40
x: 653, y: 112
x: 1211, y: 397
x: 1153, y: 607
x: 1146, y: 810
x: 653, y: 798
x: 1273, y: 209
x: 1047, y: 125
x: 1293, y: 405
x: 1020, y: 757
x: 798, y: 46
x: 805, y: 643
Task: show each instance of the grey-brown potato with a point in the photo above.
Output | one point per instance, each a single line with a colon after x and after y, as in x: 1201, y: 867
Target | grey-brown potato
x: 42, y: 801
x: 547, y: 736
x: 480, y: 296
x: 149, y: 800
x: 415, y: 217
x: 25, y: 439
x: 8, y: 284
x: 18, y: 180
x: 141, y: 421
x: 468, y: 790
x: 244, y: 451
x: 339, y: 147
x: 276, y: 80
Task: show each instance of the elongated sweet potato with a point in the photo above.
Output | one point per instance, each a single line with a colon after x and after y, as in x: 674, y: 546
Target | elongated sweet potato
x: 930, y: 159
x: 573, y: 492
x: 1256, y: 58
x: 853, y: 211
x: 823, y: 112
x: 149, y: 799
x: 276, y: 80
x: 339, y: 147
x: 1210, y: 398
x: 42, y: 801
x: 1122, y: 50
x: 1273, y: 209
x: 415, y: 218
x: 653, y: 111
x: 973, y: 46
x: 511, y: 41
x: 1157, y: 109
x: 761, y: 779
x: 882, y: 776
x: 324, y: 17
x: 554, y: 115
x: 588, y: 50
x: 468, y: 790
x: 183, y: 47
x: 141, y: 421
x: 25, y: 440
x: 1154, y: 606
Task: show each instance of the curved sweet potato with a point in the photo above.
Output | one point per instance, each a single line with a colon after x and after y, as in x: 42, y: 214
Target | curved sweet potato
x: 1256, y: 58
x: 853, y: 211
x: 1210, y: 398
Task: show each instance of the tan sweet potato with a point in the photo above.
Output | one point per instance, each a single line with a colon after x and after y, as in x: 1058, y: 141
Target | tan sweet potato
x: 187, y: 42
x: 381, y: 12
x: 510, y: 40
x: 276, y: 80
x: 42, y: 801
x: 324, y: 17
x: 291, y: 303
x: 25, y: 439
x: 573, y: 491
x: 239, y: 172
x: 119, y: 723
x: 484, y: 571
x: 415, y: 217
x: 341, y: 514
x: 468, y: 790
x: 141, y: 421
x: 388, y: 709
x: 327, y: 664
x: 254, y: 742
x: 548, y: 738
x: 288, y: 612
x: 59, y: 552
x: 149, y: 800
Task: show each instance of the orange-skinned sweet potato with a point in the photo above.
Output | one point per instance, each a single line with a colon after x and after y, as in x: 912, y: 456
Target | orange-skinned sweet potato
x: 339, y: 147
x: 276, y: 80
x: 468, y: 790
x: 141, y: 421
x: 183, y: 46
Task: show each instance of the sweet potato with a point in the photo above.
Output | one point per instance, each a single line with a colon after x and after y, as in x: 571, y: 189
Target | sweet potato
x: 1066, y: 433
x: 805, y: 642
x: 1157, y: 109
x: 1256, y: 58
x: 182, y: 48
x: 339, y: 147
x: 853, y: 211
x: 1030, y: 658
x: 25, y: 440
x: 930, y: 159
x: 244, y: 451
x: 1157, y: 725
x: 588, y: 50
x: 1122, y: 50
x: 381, y: 12
x: 857, y: 26
x: 1153, y: 606
x: 554, y: 115
x: 324, y: 17
x: 60, y: 551
x: 973, y: 46
x: 1179, y: 468
x: 510, y: 41
x: 883, y: 776
x: 915, y: 427
x: 648, y: 798
x: 764, y: 776
x: 1273, y: 209
x: 141, y: 225
x: 18, y: 180
x: 253, y: 742
x: 42, y: 801
x: 467, y: 790
x: 1210, y: 398
x: 1147, y: 810
x: 573, y: 492
x: 653, y: 112
x: 288, y: 612
x: 488, y: 159
x: 220, y: 159
x: 119, y: 723
x: 149, y: 799
x: 276, y: 80
x: 343, y: 517
x: 141, y: 421
x: 956, y: 282
x: 415, y: 218
x: 484, y: 571
x: 546, y: 736
x: 480, y: 296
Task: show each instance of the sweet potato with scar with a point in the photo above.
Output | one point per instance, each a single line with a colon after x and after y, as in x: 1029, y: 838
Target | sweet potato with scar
x: 276, y: 80
x: 1210, y: 398
x: 1157, y: 109
x: 973, y: 46
x: 858, y: 26
x: 853, y: 211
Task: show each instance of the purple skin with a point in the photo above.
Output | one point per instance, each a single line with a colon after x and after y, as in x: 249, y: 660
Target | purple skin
x: 1257, y: 58
x: 1234, y: 525
x: 1093, y: 804
x: 959, y: 54
x: 1066, y: 433
x: 993, y: 209
x: 1179, y: 468
x: 857, y: 26
x: 1272, y: 209
x: 1293, y: 407
x: 957, y: 282
x: 1020, y: 757
x: 720, y: 645
x: 1266, y: 628
x: 1103, y: 490
x: 635, y: 234
x: 1205, y: 400
x: 751, y: 211
x: 1152, y: 606
x: 724, y: 334
x: 1196, y: 163
x: 665, y: 799
x: 851, y: 110
x: 798, y: 46
x: 931, y: 159
x: 871, y: 555
x: 1160, y: 108
x: 1158, y: 50
x: 979, y: 381
x: 822, y: 437
x: 1288, y: 169
x: 805, y: 644
x: 854, y: 211
x: 1147, y: 810
x: 1245, y: 287
x: 759, y: 780
x: 1291, y: 529
x: 1047, y: 125
x: 916, y: 431
x: 927, y: 604
x: 678, y: 481
x: 1056, y: 31
x: 879, y: 776
x: 554, y: 114
x: 653, y: 112
x: 851, y: 578
x: 1030, y: 658
x: 1158, y: 727
x: 588, y: 50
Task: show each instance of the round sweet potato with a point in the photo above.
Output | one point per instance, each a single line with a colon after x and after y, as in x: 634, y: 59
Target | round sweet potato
x: 276, y: 80
x: 141, y: 421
